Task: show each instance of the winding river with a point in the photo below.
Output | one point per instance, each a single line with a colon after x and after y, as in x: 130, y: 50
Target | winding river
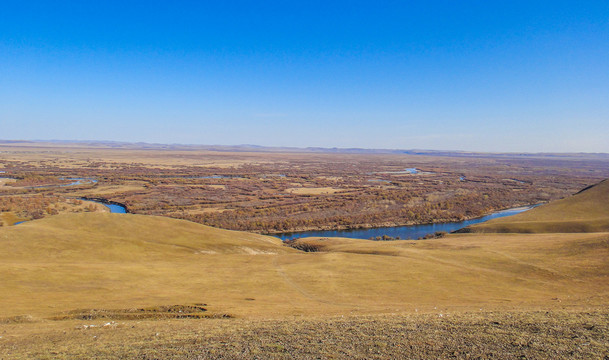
x: 115, y: 208
x: 403, y: 232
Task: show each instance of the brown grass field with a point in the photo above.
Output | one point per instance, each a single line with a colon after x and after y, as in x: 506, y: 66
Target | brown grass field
x: 589, y: 213
x: 112, y: 286
x: 463, y: 335
x: 70, y: 262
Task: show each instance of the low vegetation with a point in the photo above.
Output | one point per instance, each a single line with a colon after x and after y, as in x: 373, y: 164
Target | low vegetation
x: 273, y: 192
x: 31, y: 207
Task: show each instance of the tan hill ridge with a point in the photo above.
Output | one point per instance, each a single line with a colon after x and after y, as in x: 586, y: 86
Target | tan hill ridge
x: 586, y: 211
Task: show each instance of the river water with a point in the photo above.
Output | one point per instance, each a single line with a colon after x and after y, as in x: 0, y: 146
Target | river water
x: 116, y: 209
x: 404, y: 232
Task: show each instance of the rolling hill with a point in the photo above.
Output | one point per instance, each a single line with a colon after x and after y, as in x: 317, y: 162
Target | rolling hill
x: 586, y: 211
x: 67, y: 265
x: 129, y: 237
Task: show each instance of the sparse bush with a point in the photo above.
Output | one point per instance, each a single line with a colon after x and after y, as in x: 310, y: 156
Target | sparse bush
x: 436, y: 235
x: 303, y: 246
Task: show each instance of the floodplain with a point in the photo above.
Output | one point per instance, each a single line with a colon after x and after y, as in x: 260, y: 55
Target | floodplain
x: 268, y: 190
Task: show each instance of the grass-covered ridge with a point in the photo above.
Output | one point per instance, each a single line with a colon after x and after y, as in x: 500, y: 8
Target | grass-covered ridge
x: 586, y: 211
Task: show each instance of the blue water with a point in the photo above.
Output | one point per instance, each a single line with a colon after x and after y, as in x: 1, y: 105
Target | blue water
x: 78, y: 181
x: 412, y: 171
x: 218, y: 177
x: 75, y: 181
x: 115, y: 209
x: 404, y: 232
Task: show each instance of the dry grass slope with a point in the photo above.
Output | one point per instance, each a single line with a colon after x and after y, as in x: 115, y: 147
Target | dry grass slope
x: 586, y: 211
x: 105, y: 236
x: 122, y: 261
x: 54, y: 266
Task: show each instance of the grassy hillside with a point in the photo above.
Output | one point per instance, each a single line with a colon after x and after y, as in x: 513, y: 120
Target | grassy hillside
x: 586, y: 211
x: 119, y: 261
x: 129, y: 237
x: 469, y: 269
x: 66, y: 265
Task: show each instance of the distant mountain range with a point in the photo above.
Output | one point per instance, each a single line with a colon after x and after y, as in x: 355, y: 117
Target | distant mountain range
x: 259, y: 148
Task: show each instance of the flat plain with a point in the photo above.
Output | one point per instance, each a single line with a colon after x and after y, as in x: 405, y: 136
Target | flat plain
x: 268, y: 190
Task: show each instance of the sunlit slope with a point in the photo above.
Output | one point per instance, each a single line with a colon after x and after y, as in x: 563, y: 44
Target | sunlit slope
x: 459, y: 271
x: 105, y: 236
x: 586, y: 211
x: 119, y: 261
x: 113, y: 261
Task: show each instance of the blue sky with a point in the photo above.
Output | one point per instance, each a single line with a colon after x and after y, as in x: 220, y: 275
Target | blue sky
x: 457, y: 75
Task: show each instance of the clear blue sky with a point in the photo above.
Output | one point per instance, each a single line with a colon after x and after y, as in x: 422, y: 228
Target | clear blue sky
x: 468, y: 75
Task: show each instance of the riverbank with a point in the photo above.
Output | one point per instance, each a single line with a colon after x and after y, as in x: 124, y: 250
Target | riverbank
x: 115, y: 207
x: 408, y: 231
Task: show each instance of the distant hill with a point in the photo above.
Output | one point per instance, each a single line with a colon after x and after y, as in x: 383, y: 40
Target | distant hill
x: 314, y: 150
x: 586, y: 211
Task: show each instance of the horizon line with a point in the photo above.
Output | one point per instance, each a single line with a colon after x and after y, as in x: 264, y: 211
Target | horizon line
x: 295, y: 148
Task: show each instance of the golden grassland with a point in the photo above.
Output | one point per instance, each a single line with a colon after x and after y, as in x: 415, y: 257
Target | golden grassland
x: 15, y: 208
x: 71, y: 155
x: 587, y: 211
x: 116, y: 261
x: 155, y: 287
x: 4, y: 181
x: 9, y: 218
